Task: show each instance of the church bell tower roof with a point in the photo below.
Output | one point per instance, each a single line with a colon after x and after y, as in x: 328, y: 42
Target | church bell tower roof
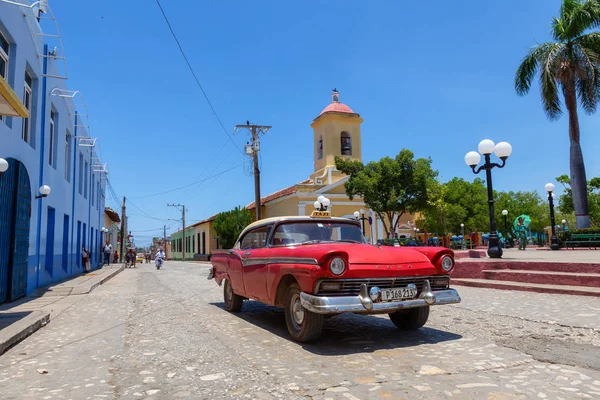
x: 336, y: 106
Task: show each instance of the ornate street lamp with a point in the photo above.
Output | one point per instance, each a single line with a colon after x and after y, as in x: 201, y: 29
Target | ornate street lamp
x: 553, y: 239
x: 504, y: 214
x: 486, y: 148
x: 462, y: 233
x: 44, y: 191
x: 564, y: 225
x: 322, y: 203
x: 361, y: 216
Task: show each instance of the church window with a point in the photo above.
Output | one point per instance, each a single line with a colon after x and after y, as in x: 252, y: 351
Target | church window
x: 346, y: 144
x: 320, y: 148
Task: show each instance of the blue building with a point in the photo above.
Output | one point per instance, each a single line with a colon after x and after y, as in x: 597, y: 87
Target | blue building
x: 45, y: 146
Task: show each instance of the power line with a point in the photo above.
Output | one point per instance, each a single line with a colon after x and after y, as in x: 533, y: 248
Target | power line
x: 145, y: 216
x: 152, y: 230
x: 196, y: 78
x: 189, y: 184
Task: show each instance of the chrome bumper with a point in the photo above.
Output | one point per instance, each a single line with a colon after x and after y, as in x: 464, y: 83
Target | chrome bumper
x: 364, y: 305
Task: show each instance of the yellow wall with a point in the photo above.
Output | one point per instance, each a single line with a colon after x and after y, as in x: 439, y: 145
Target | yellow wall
x: 329, y: 127
x: 284, y: 207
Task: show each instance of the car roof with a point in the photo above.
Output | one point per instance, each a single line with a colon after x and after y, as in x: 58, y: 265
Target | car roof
x: 272, y: 220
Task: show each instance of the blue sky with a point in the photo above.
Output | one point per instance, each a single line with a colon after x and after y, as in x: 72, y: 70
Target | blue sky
x: 434, y: 77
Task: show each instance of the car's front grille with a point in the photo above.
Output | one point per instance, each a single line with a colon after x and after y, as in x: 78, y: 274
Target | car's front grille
x: 351, y: 287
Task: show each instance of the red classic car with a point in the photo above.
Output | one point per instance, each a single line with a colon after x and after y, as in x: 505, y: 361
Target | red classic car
x: 318, y: 266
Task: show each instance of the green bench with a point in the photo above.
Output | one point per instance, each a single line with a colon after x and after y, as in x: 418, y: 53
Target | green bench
x: 591, y: 239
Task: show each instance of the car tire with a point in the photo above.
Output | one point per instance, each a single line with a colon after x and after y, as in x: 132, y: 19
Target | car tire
x: 303, y: 325
x: 411, y: 319
x: 232, y: 301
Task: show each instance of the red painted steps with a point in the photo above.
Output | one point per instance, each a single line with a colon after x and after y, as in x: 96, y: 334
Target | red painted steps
x: 541, y: 276
x: 529, y: 287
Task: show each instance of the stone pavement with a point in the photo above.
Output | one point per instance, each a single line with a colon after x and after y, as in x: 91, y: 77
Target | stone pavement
x: 21, y: 318
x: 152, y: 334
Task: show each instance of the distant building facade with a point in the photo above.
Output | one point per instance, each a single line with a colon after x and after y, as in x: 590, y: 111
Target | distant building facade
x: 44, y: 138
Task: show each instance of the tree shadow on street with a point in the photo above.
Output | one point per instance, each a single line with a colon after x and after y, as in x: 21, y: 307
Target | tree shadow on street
x: 344, y: 334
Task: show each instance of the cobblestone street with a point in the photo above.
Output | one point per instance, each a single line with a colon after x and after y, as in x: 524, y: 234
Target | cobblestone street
x: 163, y: 334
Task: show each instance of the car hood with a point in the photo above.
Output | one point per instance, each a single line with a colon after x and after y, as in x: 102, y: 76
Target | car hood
x: 357, y: 253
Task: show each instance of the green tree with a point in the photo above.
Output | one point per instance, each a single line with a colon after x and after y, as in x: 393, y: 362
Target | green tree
x: 390, y: 186
x: 517, y: 203
x: 229, y: 224
x: 457, y: 202
x: 571, y: 64
x: 566, y: 204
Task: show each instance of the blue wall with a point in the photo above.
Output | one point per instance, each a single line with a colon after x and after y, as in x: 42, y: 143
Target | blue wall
x: 65, y: 198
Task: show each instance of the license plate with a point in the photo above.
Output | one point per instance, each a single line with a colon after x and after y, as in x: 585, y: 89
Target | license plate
x: 398, y: 294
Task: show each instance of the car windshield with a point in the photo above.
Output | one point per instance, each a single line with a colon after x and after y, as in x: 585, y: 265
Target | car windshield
x: 309, y: 232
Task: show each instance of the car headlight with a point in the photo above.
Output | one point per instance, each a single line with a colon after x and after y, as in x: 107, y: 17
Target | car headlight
x: 447, y: 263
x: 337, y: 266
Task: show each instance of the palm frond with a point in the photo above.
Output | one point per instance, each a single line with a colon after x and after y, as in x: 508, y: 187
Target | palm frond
x: 529, y: 66
x: 549, y: 92
x: 551, y: 60
x: 590, y: 44
x: 575, y: 17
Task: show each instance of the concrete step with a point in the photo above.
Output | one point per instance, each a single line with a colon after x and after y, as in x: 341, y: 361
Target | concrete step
x: 458, y: 254
x: 528, y: 287
x: 543, y: 277
x: 471, y: 268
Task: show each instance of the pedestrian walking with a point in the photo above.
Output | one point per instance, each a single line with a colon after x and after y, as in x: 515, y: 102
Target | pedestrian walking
x: 85, y: 259
x: 107, y: 252
x: 522, y: 234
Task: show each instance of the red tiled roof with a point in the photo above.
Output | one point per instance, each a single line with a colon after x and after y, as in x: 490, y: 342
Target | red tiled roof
x: 112, y: 214
x: 337, y: 107
x: 277, y: 195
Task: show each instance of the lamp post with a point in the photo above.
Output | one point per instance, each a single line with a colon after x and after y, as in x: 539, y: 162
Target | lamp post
x: 462, y: 233
x: 486, y: 148
x: 564, y: 225
x: 553, y: 239
x: 361, y: 216
x: 504, y: 214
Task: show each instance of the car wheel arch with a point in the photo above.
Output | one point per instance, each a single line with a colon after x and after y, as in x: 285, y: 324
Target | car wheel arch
x: 284, y: 283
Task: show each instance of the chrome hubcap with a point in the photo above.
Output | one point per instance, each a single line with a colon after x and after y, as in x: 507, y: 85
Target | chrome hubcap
x: 297, y: 310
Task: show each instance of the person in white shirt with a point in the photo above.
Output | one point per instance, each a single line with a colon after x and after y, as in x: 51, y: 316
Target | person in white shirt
x: 107, y: 252
x: 160, y: 256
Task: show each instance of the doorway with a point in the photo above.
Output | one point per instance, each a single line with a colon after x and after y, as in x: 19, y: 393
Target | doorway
x: 15, y: 215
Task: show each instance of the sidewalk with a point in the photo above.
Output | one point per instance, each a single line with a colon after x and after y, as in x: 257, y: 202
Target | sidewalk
x: 21, y: 318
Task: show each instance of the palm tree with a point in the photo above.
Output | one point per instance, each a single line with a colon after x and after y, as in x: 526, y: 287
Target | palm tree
x: 572, y: 64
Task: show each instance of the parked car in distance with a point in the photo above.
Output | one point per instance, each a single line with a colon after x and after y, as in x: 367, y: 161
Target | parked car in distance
x: 317, y: 266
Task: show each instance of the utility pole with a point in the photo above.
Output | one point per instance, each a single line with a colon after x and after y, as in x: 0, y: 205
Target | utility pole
x: 123, y: 230
x: 182, y: 229
x: 252, y: 151
x: 165, y: 239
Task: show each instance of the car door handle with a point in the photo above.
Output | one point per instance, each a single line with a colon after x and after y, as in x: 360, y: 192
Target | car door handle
x: 246, y: 254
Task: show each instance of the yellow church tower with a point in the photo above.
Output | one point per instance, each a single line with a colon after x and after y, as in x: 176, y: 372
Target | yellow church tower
x: 336, y: 133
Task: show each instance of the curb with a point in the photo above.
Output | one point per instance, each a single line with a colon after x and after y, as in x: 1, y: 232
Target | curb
x: 21, y: 329
x: 95, y: 285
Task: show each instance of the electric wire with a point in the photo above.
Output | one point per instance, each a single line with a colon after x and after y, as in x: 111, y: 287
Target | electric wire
x: 196, y: 78
x: 189, y: 184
